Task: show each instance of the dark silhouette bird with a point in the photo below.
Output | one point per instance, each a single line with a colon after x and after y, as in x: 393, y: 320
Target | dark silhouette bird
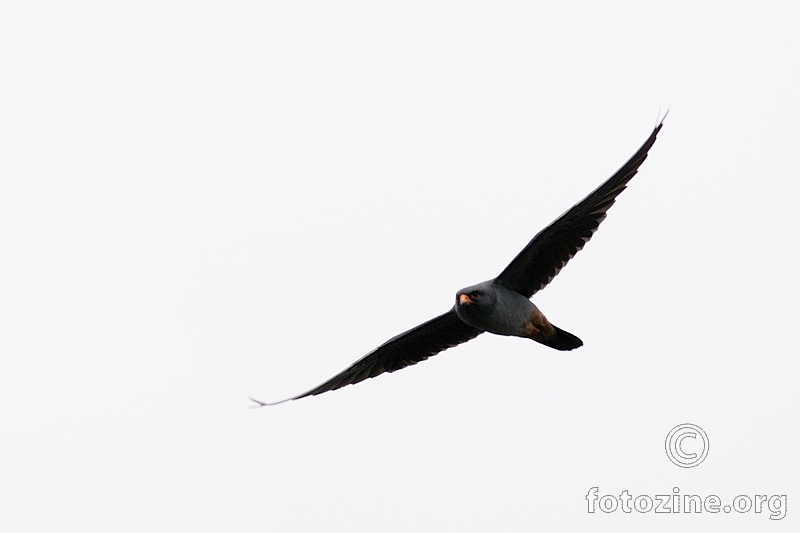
x: 502, y: 305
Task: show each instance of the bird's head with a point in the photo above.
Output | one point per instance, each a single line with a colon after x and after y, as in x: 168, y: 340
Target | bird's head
x: 476, y: 300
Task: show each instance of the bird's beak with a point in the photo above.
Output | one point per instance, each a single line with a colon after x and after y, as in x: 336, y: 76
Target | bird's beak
x: 463, y: 299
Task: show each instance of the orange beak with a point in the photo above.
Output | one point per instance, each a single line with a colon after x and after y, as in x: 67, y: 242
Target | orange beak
x: 464, y: 300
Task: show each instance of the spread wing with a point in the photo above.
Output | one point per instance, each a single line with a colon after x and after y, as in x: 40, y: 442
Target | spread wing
x: 406, y: 349
x: 547, y: 253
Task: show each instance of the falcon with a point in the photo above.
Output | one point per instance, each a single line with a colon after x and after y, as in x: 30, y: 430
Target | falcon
x: 501, y: 305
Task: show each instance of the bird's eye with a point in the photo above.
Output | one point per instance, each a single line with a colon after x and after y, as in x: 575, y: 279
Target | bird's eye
x: 474, y: 295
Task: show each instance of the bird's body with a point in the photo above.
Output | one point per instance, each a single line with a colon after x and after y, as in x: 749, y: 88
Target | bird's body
x: 492, y: 308
x: 502, y: 305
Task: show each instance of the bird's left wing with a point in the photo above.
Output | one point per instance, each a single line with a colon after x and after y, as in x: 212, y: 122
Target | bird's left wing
x: 406, y: 349
x: 547, y: 253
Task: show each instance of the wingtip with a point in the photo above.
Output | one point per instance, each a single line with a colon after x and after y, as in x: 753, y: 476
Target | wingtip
x: 660, y: 121
x: 260, y: 404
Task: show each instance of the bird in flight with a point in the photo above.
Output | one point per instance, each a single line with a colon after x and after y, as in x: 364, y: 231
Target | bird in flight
x: 502, y: 305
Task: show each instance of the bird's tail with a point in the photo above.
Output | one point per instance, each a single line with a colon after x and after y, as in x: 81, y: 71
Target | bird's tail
x: 562, y: 340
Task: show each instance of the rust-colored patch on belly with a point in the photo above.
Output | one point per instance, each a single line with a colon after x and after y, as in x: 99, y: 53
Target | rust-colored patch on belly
x: 538, y: 327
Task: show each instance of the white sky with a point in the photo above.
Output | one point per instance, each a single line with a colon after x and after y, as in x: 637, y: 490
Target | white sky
x: 203, y: 202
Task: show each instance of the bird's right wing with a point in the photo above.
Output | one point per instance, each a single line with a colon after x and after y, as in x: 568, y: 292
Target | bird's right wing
x: 406, y: 349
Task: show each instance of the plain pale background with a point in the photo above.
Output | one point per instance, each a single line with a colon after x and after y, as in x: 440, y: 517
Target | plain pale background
x: 203, y: 202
